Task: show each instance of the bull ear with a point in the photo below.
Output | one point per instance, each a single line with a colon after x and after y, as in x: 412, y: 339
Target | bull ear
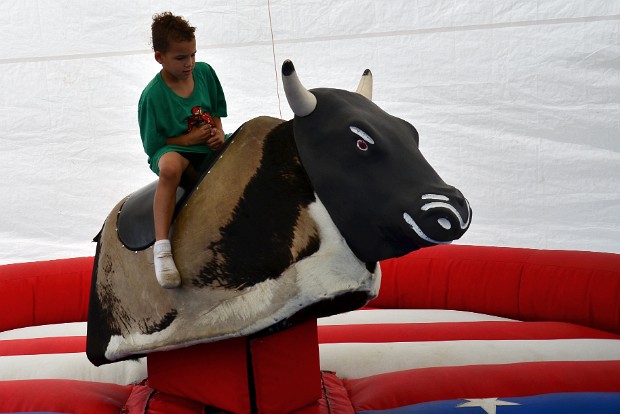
x: 301, y: 101
x: 364, y: 88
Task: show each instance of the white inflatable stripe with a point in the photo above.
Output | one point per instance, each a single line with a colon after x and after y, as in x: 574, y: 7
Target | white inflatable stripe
x: 46, y: 331
x: 358, y: 360
x: 70, y: 366
x: 386, y: 316
x: 358, y: 317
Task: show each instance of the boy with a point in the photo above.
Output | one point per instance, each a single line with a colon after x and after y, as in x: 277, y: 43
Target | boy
x: 179, y: 116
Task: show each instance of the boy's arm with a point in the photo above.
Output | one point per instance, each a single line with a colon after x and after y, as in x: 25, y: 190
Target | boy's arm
x: 197, y: 136
x: 218, y: 123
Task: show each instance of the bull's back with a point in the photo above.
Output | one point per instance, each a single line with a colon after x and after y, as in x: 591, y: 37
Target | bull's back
x: 243, y: 225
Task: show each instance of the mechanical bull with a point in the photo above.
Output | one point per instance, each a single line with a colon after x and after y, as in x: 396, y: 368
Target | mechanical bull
x: 289, y: 222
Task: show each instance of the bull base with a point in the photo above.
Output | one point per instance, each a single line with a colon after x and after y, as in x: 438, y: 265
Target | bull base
x: 272, y: 374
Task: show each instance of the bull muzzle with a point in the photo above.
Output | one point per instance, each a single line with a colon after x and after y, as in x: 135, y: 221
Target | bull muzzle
x: 439, y: 218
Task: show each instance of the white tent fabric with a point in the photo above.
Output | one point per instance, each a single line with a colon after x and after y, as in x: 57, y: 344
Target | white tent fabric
x: 517, y: 104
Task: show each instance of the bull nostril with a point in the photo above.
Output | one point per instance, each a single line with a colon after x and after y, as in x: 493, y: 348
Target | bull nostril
x: 445, y: 223
x: 443, y: 203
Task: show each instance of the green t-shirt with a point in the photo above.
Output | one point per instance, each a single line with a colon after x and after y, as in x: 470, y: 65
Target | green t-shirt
x: 163, y: 114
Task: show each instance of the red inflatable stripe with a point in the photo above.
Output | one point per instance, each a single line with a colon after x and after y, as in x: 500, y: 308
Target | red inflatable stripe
x: 453, y: 331
x: 36, y: 346
x: 63, y: 396
x: 396, y: 389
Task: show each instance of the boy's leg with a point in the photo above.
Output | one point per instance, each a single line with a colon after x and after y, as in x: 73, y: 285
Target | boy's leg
x: 171, y: 167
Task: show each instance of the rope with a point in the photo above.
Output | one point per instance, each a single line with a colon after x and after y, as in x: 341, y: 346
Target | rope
x: 273, y: 51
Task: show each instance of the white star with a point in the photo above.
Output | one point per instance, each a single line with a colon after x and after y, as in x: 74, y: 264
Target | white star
x: 489, y: 405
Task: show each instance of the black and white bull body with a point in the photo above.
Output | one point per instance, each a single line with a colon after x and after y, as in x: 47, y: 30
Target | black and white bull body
x: 290, y: 222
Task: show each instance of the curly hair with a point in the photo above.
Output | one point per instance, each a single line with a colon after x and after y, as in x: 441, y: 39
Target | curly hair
x: 167, y: 27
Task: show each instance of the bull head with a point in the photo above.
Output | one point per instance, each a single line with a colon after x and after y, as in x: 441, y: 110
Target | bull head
x: 366, y: 167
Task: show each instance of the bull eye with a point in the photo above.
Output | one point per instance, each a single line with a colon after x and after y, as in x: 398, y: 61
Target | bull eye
x: 362, y: 144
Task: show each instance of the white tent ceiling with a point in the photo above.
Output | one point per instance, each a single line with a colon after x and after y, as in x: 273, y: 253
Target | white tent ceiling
x: 517, y: 104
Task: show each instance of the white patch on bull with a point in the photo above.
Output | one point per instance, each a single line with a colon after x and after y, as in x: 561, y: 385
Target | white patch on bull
x: 331, y: 271
x: 334, y: 269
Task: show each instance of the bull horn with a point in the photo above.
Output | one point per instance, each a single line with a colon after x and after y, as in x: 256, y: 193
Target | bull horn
x: 364, y: 88
x: 301, y: 101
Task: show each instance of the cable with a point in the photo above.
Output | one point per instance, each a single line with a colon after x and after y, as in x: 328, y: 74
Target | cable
x: 273, y: 51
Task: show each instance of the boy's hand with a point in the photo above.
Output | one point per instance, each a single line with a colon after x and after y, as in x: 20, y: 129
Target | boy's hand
x: 198, y: 135
x: 216, y: 139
